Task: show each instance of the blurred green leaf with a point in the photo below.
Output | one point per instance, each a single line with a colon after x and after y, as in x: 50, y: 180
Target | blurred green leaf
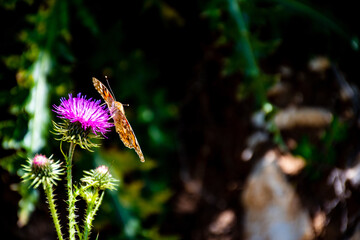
x: 317, y: 16
x: 153, y: 233
x: 29, y: 199
x: 38, y: 105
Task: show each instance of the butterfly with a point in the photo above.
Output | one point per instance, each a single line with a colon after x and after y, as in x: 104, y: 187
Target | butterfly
x: 122, y: 125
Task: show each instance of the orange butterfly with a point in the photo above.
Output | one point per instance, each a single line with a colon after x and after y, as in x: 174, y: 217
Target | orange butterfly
x: 122, y: 125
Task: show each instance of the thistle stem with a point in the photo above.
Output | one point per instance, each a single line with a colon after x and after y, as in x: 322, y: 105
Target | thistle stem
x: 91, y: 210
x: 50, y: 197
x: 88, y: 218
x: 71, y: 198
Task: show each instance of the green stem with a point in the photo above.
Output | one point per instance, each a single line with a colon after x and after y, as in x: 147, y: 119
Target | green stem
x: 92, y: 208
x: 98, y: 203
x: 88, y: 220
x: 252, y: 70
x: 71, y: 198
x: 50, y: 197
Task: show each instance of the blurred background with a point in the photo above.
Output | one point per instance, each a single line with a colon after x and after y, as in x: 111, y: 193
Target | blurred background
x: 240, y: 108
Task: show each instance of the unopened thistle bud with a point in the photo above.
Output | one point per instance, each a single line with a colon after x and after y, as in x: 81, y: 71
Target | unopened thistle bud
x: 41, y: 169
x: 99, y: 178
x: 83, y: 120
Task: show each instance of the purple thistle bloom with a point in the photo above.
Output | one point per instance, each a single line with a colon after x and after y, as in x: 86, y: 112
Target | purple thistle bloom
x: 89, y: 113
x: 40, y: 160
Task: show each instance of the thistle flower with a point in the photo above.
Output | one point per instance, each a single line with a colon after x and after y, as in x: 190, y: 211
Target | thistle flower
x: 94, y: 182
x: 83, y: 120
x: 41, y: 169
x: 99, y: 178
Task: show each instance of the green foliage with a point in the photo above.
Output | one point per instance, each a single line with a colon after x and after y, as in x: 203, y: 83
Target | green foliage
x: 319, y: 157
x: 27, y: 204
x: 135, y: 200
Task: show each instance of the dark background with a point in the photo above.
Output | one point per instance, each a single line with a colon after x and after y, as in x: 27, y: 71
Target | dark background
x: 182, y: 68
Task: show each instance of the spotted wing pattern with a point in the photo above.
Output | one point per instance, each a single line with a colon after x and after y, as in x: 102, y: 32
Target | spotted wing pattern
x: 122, y: 125
x: 104, y: 92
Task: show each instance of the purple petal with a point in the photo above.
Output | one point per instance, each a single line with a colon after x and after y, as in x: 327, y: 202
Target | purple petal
x: 88, y: 112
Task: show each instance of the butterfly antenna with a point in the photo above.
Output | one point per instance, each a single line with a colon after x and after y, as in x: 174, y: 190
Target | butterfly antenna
x: 111, y: 91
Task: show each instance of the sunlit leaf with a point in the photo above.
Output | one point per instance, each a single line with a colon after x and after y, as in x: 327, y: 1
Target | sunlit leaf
x: 38, y: 105
x: 29, y: 198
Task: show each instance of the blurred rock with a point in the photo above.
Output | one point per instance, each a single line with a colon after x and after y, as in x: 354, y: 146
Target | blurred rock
x: 223, y: 223
x: 319, y: 222
x: 187, y: 200
x: 356, y: 234
x: 352, y: 174
x: 285, y: 71
x: 278, y: 89
x: 280, y: 94
x: 272, y: 208
x: 290, y: 164
x: 252, y: 142
x: 305, y: 117
x: 343, y: 181
x: 319, y: 64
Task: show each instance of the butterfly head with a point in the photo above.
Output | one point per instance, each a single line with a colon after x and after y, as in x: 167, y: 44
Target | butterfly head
x: 119, y: 106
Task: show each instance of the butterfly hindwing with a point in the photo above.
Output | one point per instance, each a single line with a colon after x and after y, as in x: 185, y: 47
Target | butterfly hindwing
x: 122, y: 125
x: 124, y: 129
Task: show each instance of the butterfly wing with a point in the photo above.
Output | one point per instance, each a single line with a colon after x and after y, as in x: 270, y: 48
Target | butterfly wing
x: 104, y: 92
x: 122, y: 125
x: 127, y: 135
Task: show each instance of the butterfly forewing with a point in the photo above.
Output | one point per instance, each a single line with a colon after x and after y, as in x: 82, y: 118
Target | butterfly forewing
x: 122, y: 125
x: 104, y: 92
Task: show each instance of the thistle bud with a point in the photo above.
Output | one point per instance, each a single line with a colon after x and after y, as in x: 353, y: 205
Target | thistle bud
x: 41, y: 169
x: 99, y: 178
